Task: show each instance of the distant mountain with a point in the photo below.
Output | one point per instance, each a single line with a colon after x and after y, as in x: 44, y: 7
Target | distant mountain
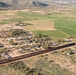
x: 2, y: 4
x: 22, y: 3
x: 33, y: 3
x: 63, y: 1
x: 45, y: 1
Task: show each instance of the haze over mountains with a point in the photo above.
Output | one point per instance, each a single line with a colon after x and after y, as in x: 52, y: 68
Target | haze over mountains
x: 32, y: 3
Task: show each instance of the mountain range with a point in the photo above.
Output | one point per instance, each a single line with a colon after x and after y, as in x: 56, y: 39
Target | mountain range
x: 32, y: 3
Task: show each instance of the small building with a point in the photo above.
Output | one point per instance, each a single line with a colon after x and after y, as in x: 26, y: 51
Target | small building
x: 10, y: 39
x: 5, y: 55
x: 68, y: 40
x: 54, y: 43
x: 20, y: 49
x: 20, y: 24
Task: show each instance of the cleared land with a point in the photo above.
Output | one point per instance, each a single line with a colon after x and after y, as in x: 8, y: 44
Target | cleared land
x: 55, y: 24
x: 40, y: 25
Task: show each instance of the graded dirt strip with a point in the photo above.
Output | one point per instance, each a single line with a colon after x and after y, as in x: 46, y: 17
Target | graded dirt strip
x: 6, y: 61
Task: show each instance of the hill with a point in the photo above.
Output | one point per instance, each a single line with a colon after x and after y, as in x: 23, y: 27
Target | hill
x: 45, y: 1
x: 35, y: 4
x: 2, y: 4
x: 23, y: 3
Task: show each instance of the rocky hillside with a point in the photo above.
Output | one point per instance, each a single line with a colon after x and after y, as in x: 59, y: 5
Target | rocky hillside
x: 2, y: 4
x: 45, y: 1
x: 33, y: 3
x: 22, y: 3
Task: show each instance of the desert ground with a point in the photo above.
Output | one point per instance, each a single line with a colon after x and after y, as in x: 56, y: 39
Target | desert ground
x: 56, y: 24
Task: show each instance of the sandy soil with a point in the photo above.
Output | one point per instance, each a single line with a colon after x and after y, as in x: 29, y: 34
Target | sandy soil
x: 63, y: 61
x: 8, y: 26
x: 6, y: 15
x: 40, y: 25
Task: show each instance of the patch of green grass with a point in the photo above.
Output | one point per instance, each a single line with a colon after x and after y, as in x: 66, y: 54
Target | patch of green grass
x: 30, y: 15
x: 52, y: 34
x: 67, y: 30
x: 65, y: 23
x: 1, y: 12
x: 4, y: 22
x: 19, y: 19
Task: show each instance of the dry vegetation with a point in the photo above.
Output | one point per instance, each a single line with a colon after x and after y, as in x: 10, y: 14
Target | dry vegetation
x: 60, y: 24
x: 44, y: 25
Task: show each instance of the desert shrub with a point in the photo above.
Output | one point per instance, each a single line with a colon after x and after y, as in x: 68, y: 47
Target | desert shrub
x: 22, y: 67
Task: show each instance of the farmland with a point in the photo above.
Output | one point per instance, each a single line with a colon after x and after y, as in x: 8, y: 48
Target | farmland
x: 61, y: 22
x: 55, y: 24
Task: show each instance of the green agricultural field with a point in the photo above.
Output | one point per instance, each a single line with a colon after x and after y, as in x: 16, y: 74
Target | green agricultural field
x: 68, y: 31
x: 64, y: 27
x: 53, y: 34
x: 4, y: 22
x: 64, y: 22
x: 29, y: 16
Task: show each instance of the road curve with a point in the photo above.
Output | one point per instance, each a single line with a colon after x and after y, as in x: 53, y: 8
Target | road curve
x: 6, y: 61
